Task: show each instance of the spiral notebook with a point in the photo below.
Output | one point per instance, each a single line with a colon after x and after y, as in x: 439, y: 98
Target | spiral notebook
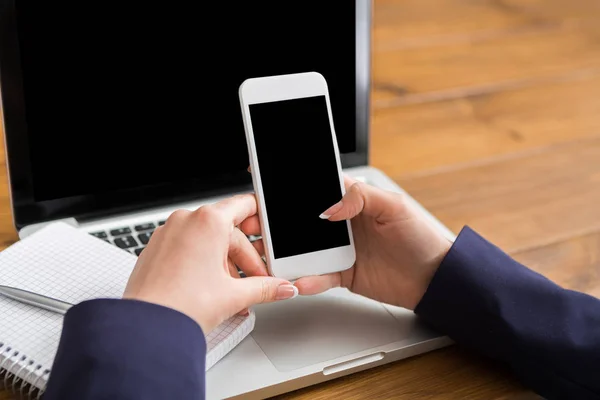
x: 62, y: 262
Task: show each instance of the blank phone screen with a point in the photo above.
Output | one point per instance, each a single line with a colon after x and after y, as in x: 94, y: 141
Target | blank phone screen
x: 299, y: 175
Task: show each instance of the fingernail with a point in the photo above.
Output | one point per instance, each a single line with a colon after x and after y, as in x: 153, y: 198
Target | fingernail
x: 331, y: 210
x: 286, y: 292
x: 244, y: 313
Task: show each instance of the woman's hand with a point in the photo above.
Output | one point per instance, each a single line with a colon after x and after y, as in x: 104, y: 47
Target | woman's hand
x: 398, y: 250
x: 189, y: 265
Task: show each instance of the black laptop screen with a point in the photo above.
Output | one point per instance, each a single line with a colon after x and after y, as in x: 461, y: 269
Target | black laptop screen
x: 127, y: 96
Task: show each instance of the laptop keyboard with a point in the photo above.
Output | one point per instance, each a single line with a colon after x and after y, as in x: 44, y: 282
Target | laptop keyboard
x: 129, y: 238
x: 135, y: 238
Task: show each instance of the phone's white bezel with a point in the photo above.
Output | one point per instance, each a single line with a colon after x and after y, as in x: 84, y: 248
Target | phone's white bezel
x: 287, y: 87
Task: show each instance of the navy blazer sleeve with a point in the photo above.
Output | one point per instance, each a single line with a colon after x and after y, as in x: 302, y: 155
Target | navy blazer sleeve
x: 550, y: 336
x: 127, y: 349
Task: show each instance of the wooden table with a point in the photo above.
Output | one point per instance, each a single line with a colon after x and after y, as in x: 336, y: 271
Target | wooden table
x: 488, y: 113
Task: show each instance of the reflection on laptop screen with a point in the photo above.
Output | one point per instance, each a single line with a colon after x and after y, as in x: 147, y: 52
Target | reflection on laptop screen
x: 134, y: 94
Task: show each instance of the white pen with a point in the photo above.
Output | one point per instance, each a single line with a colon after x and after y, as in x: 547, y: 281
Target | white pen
x: 35, y: 299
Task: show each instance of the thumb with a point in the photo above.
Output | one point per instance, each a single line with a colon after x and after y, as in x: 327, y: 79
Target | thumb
x: 379, y: 204
x: 264, y: 289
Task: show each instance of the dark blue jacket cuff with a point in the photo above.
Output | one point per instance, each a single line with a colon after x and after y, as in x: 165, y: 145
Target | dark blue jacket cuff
x: 483, y: 299
x: 128, y: 349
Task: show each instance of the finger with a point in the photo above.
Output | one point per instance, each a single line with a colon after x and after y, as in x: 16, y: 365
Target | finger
x: 237, y: 208
x: 327, y: 214
x: 245, y: 256
x: 259, y: 246
x: 349, y: 181
x: 156, y: 235
x: 310, y: 285
x: 177, y: 217
x: 233, y: 271
x: 369, y: 200
x: 249, y: 169
x: 251, y: 226
x: 261, y: 289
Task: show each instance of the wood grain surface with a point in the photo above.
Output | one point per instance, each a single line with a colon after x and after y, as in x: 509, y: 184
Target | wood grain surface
x: 488, y: 113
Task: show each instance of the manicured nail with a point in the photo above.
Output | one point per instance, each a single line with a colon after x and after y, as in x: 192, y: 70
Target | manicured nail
x: 331, y: 210
x: 286, y: 292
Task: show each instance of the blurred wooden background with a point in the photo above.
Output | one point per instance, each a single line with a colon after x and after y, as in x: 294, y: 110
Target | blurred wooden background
x: 488, y: 113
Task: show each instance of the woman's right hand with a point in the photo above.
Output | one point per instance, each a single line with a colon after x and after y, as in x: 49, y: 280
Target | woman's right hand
x: 398, y: 250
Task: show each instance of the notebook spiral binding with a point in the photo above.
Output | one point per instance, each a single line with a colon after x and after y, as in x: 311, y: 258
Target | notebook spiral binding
x: 21, y: 382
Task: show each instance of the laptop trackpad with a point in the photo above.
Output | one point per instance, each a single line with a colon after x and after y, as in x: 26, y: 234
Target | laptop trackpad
x: 311, y: 329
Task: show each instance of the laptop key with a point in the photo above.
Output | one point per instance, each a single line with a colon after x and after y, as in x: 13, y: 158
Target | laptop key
x: 144, y: 227
x: 120, y: 231
x: 138, y: 251
x: 160, y: 223
x: 145, y: 237
x: 99, y: 235
x: 125, y: 242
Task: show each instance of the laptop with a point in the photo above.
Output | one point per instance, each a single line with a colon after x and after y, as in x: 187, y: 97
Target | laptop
x: 115, y: 115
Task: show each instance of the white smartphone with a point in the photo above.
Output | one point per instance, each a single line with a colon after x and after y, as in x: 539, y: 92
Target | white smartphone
x: 297, y: 174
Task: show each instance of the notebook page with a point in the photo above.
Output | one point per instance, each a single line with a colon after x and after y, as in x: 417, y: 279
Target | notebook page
x: 65, y: 263
x: 226, y: 336
x: 31, y: 332
x: 62, y: 262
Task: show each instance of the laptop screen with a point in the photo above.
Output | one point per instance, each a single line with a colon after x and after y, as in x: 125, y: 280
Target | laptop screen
x: 135, y: 96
